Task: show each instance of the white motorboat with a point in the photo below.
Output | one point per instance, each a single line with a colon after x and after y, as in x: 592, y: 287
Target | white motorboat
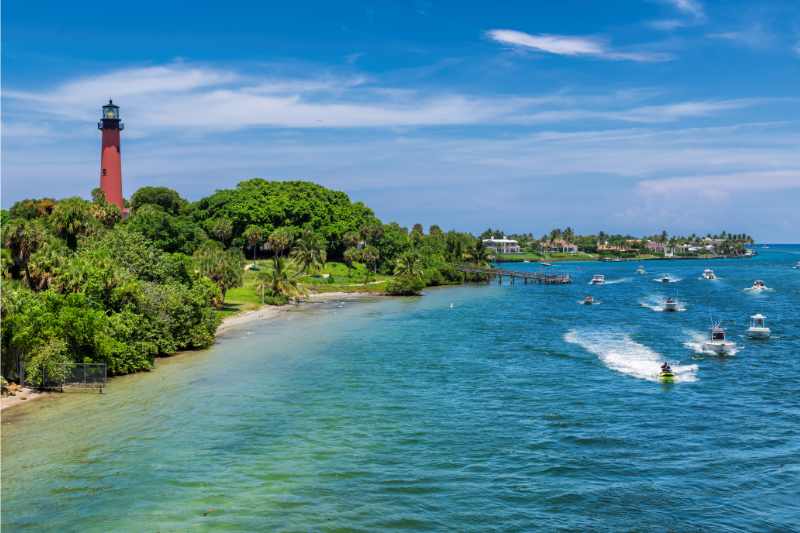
x: 670, y: 304
x: 717, y: 343
x: 797, y: 266
x: 758, y: 286
x: 546, y: 264
x: 598, y: 279
x: 709, y: 274
x: 641, y: 271
x: 758, y: 328
x: 589, y: 300
x: 664, y: 279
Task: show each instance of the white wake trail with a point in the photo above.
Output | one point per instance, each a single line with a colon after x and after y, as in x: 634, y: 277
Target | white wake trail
x: 656, y: 303
x: 619, y: 352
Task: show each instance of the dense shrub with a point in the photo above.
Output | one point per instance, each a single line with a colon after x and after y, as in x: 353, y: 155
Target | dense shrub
x: 405, y: 286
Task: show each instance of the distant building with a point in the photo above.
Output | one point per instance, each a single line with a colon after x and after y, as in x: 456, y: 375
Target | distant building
x: 559, y: 246
x: 655, y: 247
x: 502, y: 246
x: 607, y: 247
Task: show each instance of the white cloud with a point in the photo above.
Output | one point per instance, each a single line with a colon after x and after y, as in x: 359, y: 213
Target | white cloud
x: 721, y: 186
x: 571, y: 46
x: 202, y: 100
x: 668, y: 24
x: 689, y: 7
x: 643, y: 114
x: 754, y: 36
x: 692, y: 11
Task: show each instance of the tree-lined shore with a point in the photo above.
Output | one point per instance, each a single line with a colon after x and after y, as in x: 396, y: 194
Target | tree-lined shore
x: 82, y: 283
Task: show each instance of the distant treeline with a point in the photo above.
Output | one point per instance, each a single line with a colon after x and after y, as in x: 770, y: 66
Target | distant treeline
x: 725, y: 241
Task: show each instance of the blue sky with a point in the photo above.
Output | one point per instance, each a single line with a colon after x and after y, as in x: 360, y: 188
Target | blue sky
x: 623, y: 116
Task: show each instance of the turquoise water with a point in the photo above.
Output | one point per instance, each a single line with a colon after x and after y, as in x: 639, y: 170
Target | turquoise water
x: 516, y: 409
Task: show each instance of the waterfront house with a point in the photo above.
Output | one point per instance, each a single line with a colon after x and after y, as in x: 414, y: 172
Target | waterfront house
x: 558, y: 246
x: 502, y: 245
x: 605, y: 246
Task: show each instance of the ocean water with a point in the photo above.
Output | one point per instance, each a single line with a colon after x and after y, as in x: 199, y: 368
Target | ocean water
x: 485, y: 407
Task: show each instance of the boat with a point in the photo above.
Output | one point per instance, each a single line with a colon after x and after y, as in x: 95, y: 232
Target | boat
x: 589, y: 300
x: 641, y: 270
x: 598, y: 279
x: 545, y: 263
x: 758, y: 285
x: 664, y: 279
x: 717, y: 343
x: 526, y: 261
x: 709, y: 274
x: 758, y: 328
x: 666, y: 375
x: 670, y: 304
x: 797, y: 266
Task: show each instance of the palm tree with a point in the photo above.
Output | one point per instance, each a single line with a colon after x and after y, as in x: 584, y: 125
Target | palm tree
x: 281, y: 280
x: 253, y: 235
x: 351, y: 239
x: 44, y: 266
x: 280, y: 241
x: 409, y: 264
x: 23, y: 238
x: 350, y: 256
x: 479, y: 254
x: 309, y: 252
x: 370, y: 256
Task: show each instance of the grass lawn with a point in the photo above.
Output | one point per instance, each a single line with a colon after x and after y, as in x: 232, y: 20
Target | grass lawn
x: 339, y: 279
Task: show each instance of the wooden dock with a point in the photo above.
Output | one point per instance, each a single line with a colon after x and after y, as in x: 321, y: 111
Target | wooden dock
x: 526, y: 277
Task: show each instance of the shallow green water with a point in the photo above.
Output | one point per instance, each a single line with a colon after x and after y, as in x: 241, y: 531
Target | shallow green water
x: 516, y: 409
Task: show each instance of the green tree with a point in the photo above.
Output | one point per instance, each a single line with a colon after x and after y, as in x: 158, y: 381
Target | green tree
x: 73, y: 218
x: 254, y: 236
x: 223, y: 267
x: 220, y: 229
x: 282, y: 280
x: 168, y: 232
x: 409, y: 264
x: 370, y: 256
x: 280, y: 241
x: 309, y: 253
x: 165, y: 198
x: 351, y: 255
x: 22, y: 238
x: 105, y: 213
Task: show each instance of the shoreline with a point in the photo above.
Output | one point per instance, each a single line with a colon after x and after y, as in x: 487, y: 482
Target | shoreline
x: 621, y: 259
x: 264, y: 313
x: 270, y: 312
x: 22, y: 396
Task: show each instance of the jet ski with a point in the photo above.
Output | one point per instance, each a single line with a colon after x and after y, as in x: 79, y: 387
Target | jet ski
x: 666, y: 375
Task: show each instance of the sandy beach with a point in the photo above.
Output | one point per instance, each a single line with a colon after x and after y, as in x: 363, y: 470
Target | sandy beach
x: 22, y: 396
x: 270, y: 312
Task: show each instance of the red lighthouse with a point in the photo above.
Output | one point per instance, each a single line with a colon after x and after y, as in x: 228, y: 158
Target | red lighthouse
x: 110, y: 157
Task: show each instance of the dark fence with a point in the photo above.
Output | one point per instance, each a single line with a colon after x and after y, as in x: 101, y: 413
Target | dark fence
x: 88, y: 376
